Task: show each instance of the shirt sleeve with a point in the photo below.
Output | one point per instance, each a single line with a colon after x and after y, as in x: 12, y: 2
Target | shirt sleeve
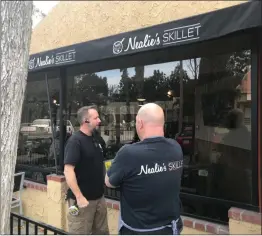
x: 117, y: 170
x: 72, y: 153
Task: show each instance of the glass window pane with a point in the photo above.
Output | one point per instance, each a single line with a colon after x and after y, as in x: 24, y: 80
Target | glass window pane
x: 207, y: 106
x: 35, y: 136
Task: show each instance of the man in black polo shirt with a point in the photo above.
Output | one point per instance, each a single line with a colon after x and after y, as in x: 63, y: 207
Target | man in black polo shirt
x: 84, y: 172
x: 149, y: 176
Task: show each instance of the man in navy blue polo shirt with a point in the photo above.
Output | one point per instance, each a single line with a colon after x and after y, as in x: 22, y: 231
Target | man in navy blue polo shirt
x: 149, y: 176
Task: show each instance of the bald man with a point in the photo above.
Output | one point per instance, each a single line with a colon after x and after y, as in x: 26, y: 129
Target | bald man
x: 149, y: 176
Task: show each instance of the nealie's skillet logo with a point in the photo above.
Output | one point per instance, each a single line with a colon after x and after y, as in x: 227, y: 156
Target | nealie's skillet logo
x: 167, y: 37
x: 52, y: 59
x: 118, y: 46
x: 135, y: 44
x: 159, y: 168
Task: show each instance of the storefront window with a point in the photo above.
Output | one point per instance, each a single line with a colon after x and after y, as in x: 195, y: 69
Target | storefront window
x: 207, y: 106
x: 218, y: 148
x: 223, y: 126
x: 35, y: 153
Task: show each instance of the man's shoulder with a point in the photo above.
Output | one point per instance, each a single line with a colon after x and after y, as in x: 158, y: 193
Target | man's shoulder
x: 134, y: 147
x: 175, y: 145
x: 140, y: 145
x: 173, y: 142
x: 74, y: 138
x: 124, y: 149
x: 160, y: 140
x: 128, y: 149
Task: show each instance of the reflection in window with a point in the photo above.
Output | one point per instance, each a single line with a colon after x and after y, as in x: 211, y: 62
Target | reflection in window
x: 35, y: 136
x: 222, y: 125
x: 207, y: 106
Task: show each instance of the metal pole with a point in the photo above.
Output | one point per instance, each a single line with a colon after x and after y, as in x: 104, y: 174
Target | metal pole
x: 181, y: 100
x: 195, y: 110
x: 52, y: 126
x: 62, y: 117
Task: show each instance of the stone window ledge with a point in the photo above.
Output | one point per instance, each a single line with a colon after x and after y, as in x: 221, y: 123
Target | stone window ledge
x: 34, y: 185
x: 245, y: 216
x: 43, y: 187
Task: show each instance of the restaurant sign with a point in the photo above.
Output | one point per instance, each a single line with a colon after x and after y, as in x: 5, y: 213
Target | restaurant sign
x: 169, y: 36
x: 47, y: 60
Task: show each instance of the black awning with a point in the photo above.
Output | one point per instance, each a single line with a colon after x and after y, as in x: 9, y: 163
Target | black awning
x: 190, y: 30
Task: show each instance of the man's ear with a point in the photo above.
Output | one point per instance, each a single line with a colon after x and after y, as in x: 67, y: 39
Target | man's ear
x: 141, y: 124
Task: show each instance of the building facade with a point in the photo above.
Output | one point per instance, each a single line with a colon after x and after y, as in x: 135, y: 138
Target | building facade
x: 204, y: 70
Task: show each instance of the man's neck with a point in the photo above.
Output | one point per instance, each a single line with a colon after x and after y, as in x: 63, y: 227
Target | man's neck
x: 86, y: 131
x: 153, y: 134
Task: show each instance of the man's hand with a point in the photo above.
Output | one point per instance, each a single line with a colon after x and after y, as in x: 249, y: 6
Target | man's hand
x: 82, y: 202
x: 107, y: 183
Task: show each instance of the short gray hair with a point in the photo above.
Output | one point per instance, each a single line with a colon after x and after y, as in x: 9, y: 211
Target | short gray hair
x: 82, y: 112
